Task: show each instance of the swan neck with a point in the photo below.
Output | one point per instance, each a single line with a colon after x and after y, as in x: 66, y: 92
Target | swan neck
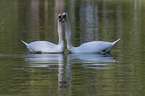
x: 60, y: 33
x: 68, y: 34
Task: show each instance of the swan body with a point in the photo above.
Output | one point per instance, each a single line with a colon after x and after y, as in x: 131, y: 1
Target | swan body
x: 48, y: 47
x: 93, y: 47
x: 44, y: 47
x: 89, y: 47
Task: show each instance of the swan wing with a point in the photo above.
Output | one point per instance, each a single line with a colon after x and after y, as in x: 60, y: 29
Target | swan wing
x: 92, y: 47
x: 41, y: 46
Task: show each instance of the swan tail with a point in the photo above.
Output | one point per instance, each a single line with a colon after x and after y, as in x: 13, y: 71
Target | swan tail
x: 109, y: 49
x: 25, y: 43
x: 116, y: 41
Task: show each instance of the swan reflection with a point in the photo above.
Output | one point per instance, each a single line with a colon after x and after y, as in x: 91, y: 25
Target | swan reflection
x: 93, y: 60
x: 48, y: 60
x: 44, y: 60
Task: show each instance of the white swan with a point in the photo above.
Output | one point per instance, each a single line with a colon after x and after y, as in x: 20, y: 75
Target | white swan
x: 89, y: 47
x: 48, y: 47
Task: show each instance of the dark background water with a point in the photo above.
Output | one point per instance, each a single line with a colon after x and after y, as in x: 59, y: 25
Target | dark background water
x: 121, y: 73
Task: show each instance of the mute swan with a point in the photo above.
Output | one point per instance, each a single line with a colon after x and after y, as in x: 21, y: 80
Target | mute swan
x: 89, y: 47
x: 48, y: 47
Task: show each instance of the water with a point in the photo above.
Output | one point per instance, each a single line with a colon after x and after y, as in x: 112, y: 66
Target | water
x: 120, y: 73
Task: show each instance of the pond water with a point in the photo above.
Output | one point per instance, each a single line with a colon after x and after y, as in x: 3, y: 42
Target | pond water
x: 121, y: 73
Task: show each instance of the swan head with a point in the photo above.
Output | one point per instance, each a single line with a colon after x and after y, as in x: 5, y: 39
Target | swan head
x: 59, y: 17
x: 64, y: 16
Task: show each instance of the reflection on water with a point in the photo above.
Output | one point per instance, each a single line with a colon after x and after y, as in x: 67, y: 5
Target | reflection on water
x: 44, y: 60
x: 93, y: 60
x: 56, y: 61
x: 48, y: 60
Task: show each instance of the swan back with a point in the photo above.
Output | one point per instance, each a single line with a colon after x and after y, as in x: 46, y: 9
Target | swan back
x: 91, y: 47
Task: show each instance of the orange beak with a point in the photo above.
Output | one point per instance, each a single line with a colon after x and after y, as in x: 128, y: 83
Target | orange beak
x: 63, y: 19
